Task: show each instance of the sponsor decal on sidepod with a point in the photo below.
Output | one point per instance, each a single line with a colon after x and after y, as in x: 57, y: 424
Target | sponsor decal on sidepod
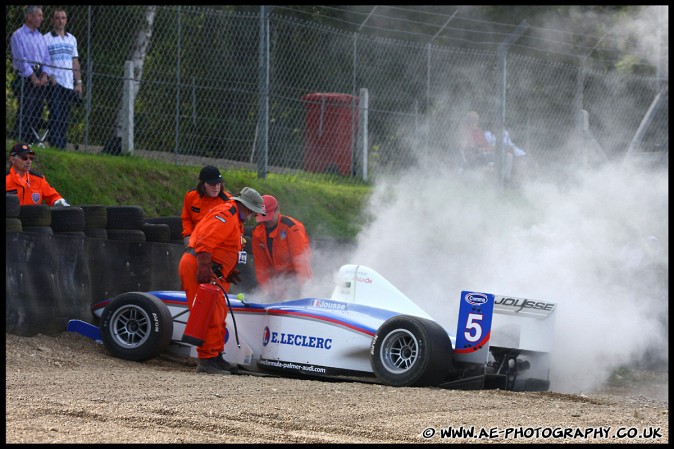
x: 306, y: 341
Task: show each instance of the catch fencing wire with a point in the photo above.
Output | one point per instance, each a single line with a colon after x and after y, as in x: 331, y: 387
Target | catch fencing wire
x: 199, y: 95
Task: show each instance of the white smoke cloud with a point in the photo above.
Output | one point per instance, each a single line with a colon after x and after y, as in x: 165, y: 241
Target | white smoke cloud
x: 588, y: 247
x: 597, y: 246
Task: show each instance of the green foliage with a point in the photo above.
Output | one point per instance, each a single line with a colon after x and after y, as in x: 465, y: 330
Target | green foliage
x: 327, y: 207
x: 621, y: 376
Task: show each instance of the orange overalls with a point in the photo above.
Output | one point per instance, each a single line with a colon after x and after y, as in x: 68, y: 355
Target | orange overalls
x: 220, y: 234
x: 288, y: 258
x: 31, y: 189
x: 195, y: 207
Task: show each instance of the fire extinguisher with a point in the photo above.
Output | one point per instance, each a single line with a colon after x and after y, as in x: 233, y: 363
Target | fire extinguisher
x: 200, y: 315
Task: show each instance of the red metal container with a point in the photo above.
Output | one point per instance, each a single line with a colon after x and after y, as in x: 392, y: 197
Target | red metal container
x: 331, y: 128
x: 200, y: 315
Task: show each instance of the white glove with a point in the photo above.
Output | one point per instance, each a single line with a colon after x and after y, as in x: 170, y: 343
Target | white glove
x: 61, y: 202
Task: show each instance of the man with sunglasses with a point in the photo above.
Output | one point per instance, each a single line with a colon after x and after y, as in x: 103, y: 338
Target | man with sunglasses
x: 30, y: 186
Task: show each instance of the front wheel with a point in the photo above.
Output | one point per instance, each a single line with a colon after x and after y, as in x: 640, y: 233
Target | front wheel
x: 136, y: 326
x: 408, y: 351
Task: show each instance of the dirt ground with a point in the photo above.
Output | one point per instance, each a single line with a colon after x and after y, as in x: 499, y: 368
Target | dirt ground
x: 67, y: 389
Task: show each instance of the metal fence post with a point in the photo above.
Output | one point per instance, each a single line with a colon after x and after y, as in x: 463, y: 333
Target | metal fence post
x: 177, y: 140
x: 427, y: 121
x: 263, y: 82
x: 363, y: 105
x: 419, y: 86
x: 89, y: 78
x: 127, y: 109
x: 354, y: 109
x: 501, y: 88
x: 580, y: 152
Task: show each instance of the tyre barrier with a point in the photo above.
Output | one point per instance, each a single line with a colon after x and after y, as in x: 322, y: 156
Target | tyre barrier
x: 39, y: 229
x: 13, y: 224
x: 73, y: 233
x: 35, y: 216
x: 125, y: 217
x: 126, y: 223
x: 175, y: 225
x: 129, y: 235
x: 95, y: 216
x: 157, y: 232
x: 96, y: 233
x: 12, y: 205
x: 67, y: 219
x: 53, y: 279
x: 94, y: 221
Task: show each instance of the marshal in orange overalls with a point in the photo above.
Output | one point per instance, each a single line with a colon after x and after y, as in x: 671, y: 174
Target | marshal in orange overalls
x: 219, y: 235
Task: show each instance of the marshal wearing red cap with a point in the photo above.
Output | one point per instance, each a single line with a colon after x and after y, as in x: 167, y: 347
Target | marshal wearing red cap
x: 30, y: 186
x: 281, y: 252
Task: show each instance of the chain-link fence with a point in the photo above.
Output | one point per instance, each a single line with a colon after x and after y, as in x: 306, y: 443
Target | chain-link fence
x: 273, y: 93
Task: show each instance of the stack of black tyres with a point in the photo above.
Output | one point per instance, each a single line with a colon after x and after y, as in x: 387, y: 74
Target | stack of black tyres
x: 175, y: 226
x: 95, y: 221
x: 12, y: 209
x: 67, y: 220
x: 157, y: 232
x: 126, y: 223
x: 36, y: 218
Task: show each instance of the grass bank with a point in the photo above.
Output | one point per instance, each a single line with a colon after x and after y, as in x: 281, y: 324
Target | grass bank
x: 327, y: 207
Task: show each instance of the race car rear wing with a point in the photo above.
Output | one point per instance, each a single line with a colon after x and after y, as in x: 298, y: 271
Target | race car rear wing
x: 492, y: 320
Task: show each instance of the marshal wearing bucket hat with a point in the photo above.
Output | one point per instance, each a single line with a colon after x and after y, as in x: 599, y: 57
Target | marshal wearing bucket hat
x: 250, y: 198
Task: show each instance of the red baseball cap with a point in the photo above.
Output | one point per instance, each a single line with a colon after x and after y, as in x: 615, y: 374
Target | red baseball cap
x: 270, y: 206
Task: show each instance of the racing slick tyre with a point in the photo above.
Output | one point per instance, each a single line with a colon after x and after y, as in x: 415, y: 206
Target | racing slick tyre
x: 408, y: 351
x: 136, y: 326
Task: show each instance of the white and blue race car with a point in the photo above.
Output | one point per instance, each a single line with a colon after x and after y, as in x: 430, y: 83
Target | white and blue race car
x: 366, y: 330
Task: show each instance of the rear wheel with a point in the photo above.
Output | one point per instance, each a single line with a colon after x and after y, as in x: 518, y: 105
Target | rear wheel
x: 408, y: 351
x: 136, y: 326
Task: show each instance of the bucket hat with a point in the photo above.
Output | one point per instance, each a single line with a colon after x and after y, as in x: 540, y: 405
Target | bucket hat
x: 250, y: 198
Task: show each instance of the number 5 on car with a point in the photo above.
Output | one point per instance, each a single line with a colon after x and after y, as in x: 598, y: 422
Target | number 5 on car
x: 474, y: 327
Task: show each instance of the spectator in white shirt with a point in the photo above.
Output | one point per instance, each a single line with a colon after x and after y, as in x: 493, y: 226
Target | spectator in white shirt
x: 66, y: 81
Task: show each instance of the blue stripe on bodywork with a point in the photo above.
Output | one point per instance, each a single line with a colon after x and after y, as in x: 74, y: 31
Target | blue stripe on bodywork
x: 299, y: 308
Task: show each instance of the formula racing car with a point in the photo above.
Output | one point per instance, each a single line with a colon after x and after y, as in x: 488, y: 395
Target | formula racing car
x: 367, y: 329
